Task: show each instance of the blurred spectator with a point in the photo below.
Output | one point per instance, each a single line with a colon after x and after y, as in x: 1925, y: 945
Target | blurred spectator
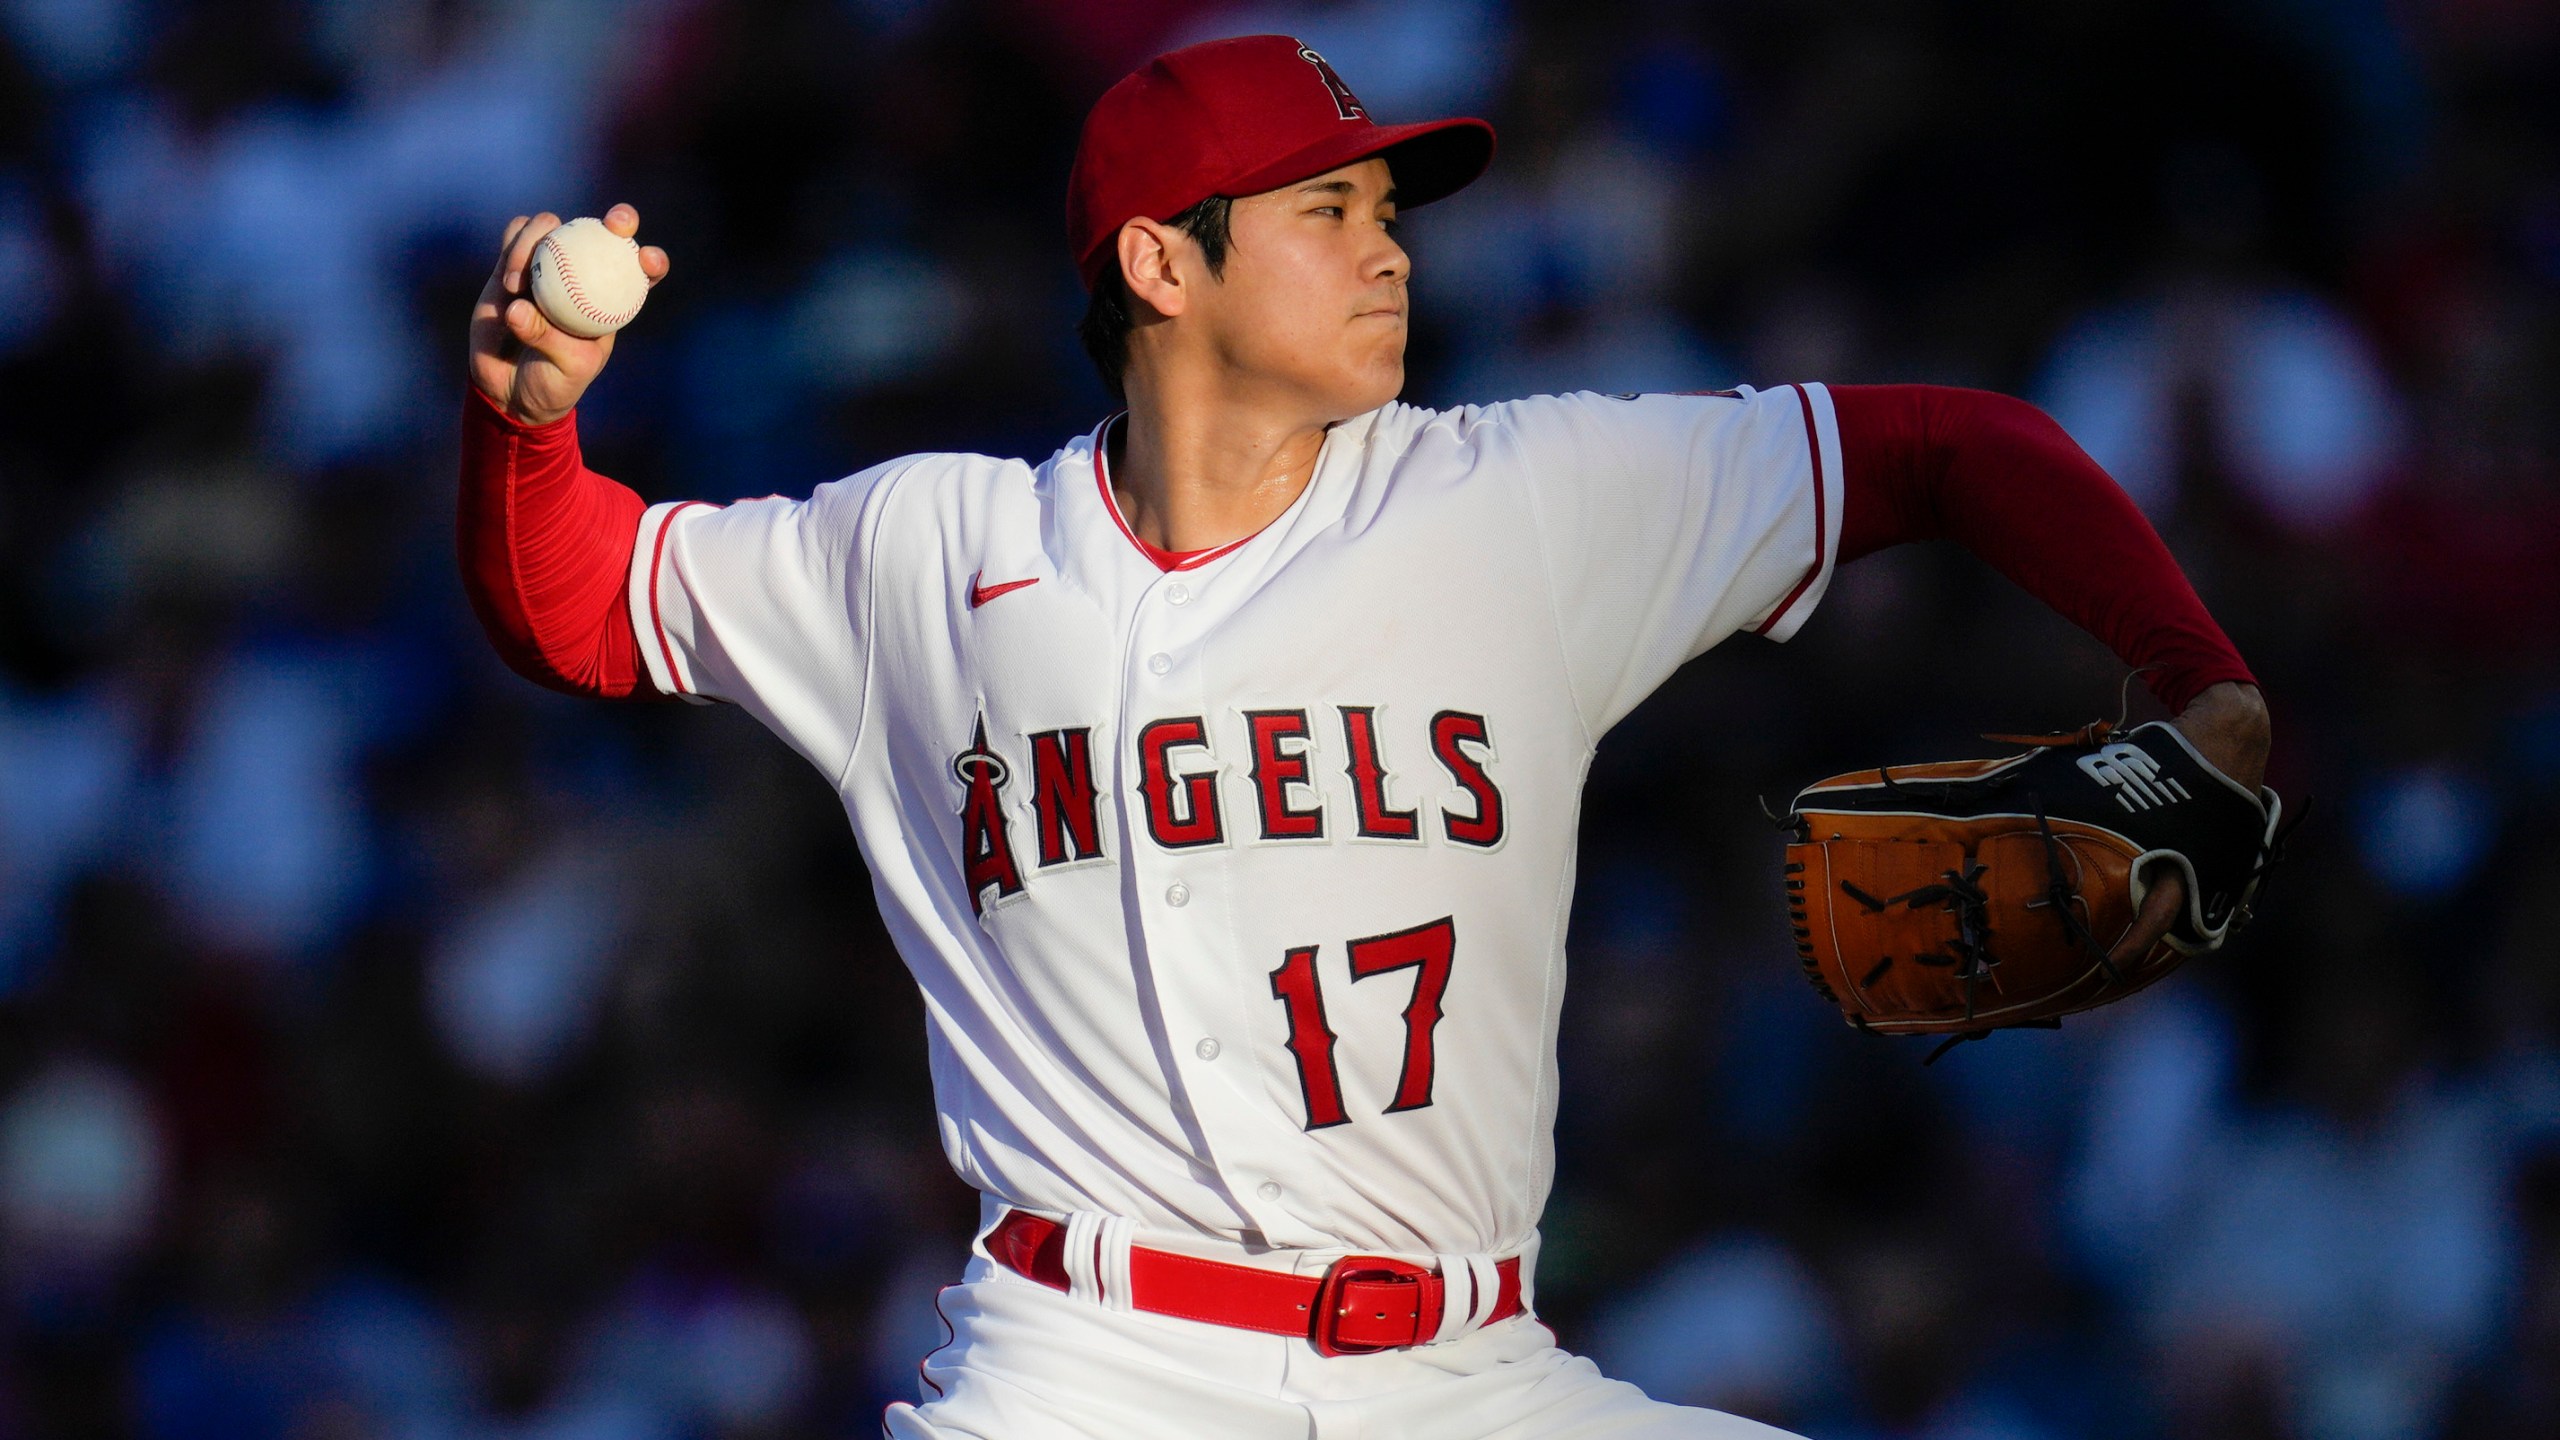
x: 82, y: 1163
x: 65, y: 764
x: 2295, y: 399
x: 2349, y: 1247
x: 1401, y: 57
x: 254, y: 212
x: 1734, y: 1324
x: 518, y: 978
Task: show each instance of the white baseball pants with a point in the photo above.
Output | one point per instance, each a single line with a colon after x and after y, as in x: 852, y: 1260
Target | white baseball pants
x: 1026, y: 1362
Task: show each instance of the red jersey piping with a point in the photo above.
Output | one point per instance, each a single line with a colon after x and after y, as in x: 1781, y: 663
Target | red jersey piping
x: 1157, y: 555
x: 657, y: 557
x: 1821, y: 537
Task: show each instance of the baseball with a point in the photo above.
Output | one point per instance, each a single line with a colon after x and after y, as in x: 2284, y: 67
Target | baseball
x: 587, y: 279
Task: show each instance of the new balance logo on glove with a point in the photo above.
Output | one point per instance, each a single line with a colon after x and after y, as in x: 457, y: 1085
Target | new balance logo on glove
x: 2134, y: 776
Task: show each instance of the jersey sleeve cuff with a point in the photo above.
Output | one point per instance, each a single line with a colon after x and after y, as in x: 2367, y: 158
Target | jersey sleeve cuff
x: 661, y: 606
x: 1822, y: 447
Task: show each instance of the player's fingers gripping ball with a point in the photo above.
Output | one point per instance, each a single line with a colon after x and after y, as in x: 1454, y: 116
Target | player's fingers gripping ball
x: 1960, y: 897
x: 586, y: 279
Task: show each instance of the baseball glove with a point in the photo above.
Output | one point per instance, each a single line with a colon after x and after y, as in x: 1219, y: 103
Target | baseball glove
x: 1962, y: 897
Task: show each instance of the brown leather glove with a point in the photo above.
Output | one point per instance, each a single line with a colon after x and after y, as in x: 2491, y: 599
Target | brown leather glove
x: 1961, y: 897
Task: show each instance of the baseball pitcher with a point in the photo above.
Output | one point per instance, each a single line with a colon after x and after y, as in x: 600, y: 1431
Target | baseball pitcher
x: 1218, y: 773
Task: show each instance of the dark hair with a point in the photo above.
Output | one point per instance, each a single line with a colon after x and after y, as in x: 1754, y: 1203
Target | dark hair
x: 1107, y: 320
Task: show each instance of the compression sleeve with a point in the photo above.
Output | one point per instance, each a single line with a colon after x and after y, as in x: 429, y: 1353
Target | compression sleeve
x: 1998, y: 476
x: 545, y: 545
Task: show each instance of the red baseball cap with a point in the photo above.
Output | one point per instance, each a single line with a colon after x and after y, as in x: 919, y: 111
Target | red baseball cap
x: 1238, y: 117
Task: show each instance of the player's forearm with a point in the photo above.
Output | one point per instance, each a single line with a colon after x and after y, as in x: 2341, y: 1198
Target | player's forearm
x: 1999, y: 477
x: 545, y: 546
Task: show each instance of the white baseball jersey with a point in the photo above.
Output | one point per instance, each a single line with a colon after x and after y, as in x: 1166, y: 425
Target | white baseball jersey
x: 1237, y: 889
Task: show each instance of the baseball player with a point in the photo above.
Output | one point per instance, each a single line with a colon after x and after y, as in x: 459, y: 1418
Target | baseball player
x: 1218, y: 774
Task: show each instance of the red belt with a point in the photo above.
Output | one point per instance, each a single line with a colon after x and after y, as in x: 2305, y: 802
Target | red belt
x: 1360, y: 1304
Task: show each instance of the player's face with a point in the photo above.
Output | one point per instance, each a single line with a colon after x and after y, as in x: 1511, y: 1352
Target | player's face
x: 1313, y: 300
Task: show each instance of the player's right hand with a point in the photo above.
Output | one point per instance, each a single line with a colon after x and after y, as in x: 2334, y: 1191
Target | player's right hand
x: 531, y: 368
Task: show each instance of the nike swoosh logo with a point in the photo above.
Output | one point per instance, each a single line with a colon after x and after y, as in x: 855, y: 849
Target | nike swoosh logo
x: 980, y: 594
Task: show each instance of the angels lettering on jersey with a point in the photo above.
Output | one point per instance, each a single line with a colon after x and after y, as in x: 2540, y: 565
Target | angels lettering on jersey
x: 1219, y: 887
x: 1317, y: 773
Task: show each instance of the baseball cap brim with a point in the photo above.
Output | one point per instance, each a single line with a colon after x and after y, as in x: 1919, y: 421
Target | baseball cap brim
x: 1431, y: 160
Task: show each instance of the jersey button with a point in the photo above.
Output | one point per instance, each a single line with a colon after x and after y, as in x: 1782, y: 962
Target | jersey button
x: 1270, y: 1190
x: 1206, y: 1049
x: 1158, y: 663
x: 1177, y: 894
x: 1177, y: 593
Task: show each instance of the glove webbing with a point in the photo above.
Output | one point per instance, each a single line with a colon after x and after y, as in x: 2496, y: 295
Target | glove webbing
x: 1971, y: 947
x: 2057, y: 894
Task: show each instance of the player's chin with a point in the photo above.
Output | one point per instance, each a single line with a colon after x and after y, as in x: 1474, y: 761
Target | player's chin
x: 1375, y: 388
x: 1377, y: 373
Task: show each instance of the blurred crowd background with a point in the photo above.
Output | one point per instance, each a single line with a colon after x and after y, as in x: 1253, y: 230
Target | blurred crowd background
x: 390, y: 1048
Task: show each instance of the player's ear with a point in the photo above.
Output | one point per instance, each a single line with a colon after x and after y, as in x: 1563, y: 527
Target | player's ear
x: 1147, y: 250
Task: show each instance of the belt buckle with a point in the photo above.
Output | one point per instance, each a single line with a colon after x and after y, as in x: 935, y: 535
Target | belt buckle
x: 1391, y: 1296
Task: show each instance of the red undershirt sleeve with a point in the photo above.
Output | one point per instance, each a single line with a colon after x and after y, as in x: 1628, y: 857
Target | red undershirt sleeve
x: 1998, y: 476
x: 545, y: 545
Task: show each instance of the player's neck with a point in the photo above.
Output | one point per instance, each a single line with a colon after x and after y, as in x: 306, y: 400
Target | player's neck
x: 1193, y: 477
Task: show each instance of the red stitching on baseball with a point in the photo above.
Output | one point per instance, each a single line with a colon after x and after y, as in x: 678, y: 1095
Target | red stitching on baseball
x: 578, y: 294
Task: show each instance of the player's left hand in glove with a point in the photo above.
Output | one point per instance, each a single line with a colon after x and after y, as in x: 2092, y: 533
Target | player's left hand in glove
x: 1964, y: 896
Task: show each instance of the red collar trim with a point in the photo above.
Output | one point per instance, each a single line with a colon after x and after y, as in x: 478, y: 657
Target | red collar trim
x: 1157, y: 555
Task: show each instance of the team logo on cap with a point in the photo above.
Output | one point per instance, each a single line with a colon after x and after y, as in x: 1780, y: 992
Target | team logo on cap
x: 1345, y: 104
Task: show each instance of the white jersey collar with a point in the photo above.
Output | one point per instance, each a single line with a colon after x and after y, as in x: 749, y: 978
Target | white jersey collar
x: 1089, y: 508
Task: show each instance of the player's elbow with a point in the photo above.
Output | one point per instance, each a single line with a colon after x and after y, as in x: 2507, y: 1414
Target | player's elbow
x: 2021, y: 422
x: 583, y: 677
x: 597, y: 663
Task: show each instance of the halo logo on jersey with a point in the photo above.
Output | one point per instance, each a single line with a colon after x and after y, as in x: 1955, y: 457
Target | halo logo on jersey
x: 1345, y: 104
x: 986, y: 842
x: 2134, y: 776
